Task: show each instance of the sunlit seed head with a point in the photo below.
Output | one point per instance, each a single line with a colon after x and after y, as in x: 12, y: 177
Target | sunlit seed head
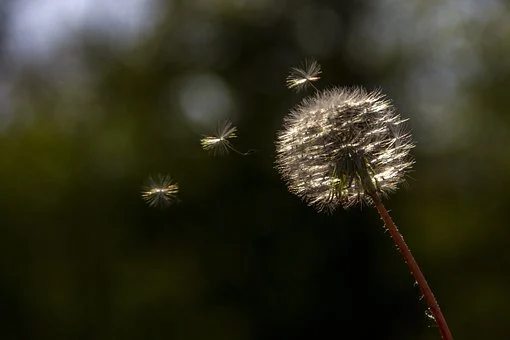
x: 160, y: 191
x: 300, y: 78
x: 340, y: 146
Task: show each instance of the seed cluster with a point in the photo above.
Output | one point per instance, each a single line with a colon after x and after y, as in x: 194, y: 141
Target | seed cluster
x: 340, y: 146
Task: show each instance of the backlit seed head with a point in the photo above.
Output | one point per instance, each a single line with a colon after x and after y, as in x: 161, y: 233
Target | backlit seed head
x: 300, y: 78
x: 160, y: 191
x: 340, y: 146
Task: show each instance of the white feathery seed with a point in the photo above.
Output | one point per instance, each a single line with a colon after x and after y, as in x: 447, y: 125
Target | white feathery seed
x: 218, y: 143
x: 159, y: 191
x: 300, y: 78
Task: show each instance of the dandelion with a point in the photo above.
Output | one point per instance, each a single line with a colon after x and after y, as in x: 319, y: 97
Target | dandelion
x: 347, y: 146
x: 300, y: 78
x: 219, y: 143
x: 342, y: 145
x: 160, y: 191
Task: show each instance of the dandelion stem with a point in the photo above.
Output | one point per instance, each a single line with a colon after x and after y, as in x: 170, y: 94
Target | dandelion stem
x: 414, y: 268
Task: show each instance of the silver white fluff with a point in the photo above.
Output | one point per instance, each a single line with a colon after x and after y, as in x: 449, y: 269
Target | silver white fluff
x: 342, y: 145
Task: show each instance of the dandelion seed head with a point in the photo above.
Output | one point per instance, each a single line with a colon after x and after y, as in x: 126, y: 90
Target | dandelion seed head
x: 341, y: 145
x: 159, y: 191
x: 300, y: 78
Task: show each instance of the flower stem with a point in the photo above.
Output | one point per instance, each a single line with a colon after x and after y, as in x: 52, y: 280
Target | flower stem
x: 414, y: 268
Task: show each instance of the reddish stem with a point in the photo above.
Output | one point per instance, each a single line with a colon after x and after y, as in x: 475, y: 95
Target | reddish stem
x: 414, y: 268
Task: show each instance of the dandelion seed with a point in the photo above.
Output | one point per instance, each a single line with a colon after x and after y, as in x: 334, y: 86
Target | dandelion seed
x: 339, y: 147
x: 160, y: 191
x: 219, y: 143
x: 301, y: 78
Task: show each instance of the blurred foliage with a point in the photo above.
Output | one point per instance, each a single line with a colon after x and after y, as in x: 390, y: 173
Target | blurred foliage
x: 82, y: 256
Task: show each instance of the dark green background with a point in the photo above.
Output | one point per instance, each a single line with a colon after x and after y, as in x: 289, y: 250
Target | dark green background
x: 82, y: 256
